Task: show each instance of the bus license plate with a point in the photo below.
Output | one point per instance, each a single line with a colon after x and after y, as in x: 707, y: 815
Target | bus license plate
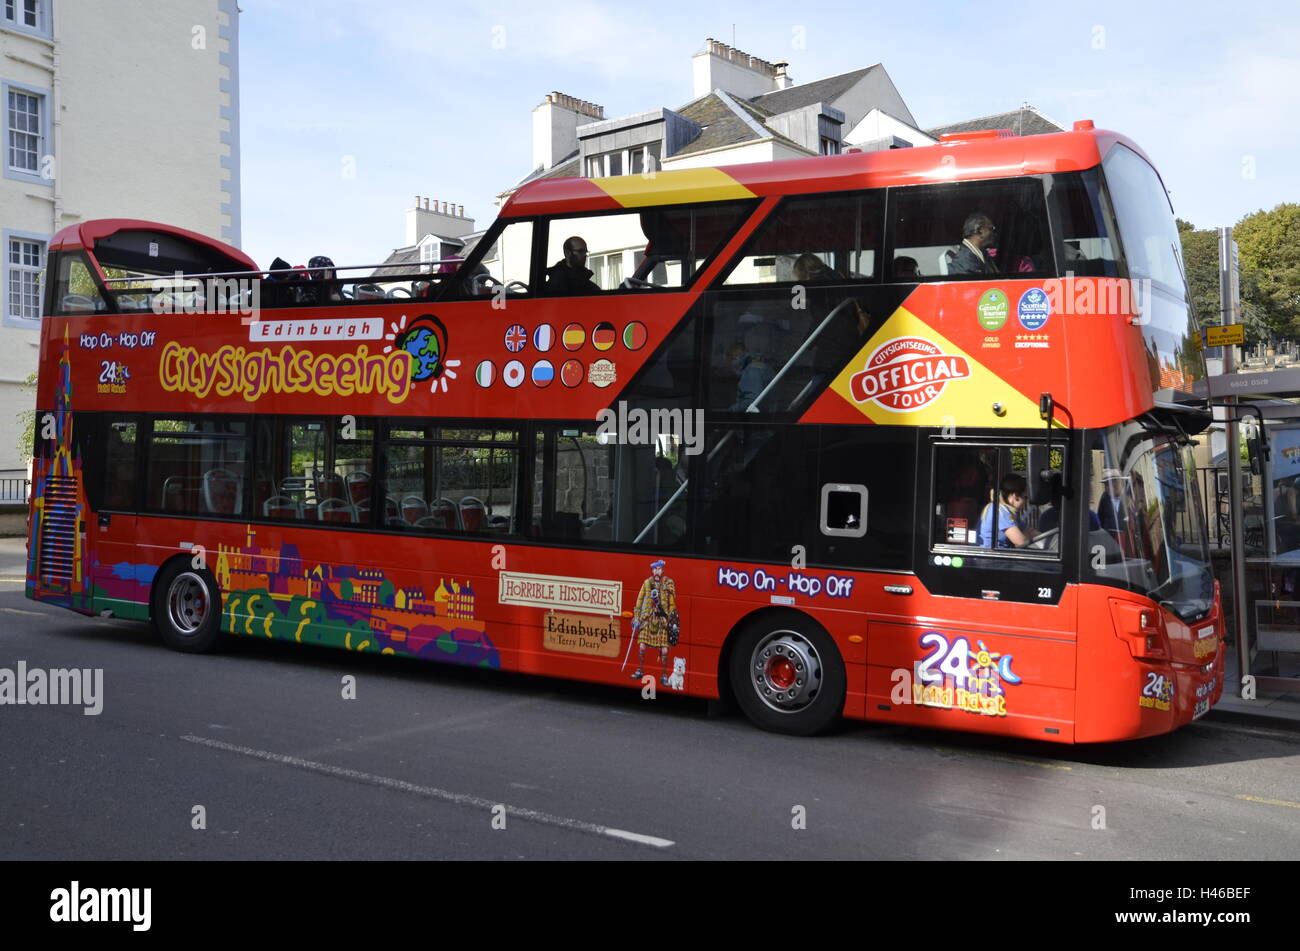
x: 1202, y: 708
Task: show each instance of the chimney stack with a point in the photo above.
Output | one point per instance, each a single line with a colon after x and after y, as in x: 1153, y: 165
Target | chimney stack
x: 555, y: 127
x: 447, y: 220
x: 724, y: 67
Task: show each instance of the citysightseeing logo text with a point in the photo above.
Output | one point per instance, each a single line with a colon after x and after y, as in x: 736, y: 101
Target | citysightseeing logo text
x: 906, y: 374
x: 255, y: 373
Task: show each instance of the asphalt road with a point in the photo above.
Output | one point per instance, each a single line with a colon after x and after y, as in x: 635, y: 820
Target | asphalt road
x: 430, y: 761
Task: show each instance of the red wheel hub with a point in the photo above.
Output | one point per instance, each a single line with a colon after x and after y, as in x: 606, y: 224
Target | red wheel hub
x: 781, y: 673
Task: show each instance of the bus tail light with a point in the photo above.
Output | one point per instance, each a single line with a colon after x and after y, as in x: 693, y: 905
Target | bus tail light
x: 1139, y: 627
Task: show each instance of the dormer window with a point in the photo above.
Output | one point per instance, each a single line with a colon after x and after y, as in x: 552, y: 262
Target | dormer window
x: 633, y: 161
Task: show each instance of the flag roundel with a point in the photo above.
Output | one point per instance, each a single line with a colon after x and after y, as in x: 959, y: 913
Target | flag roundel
x: 543, y: 373
x: 603, y: 336
x: 574, y: 337
x: 544, y: 338
x: 634, y: 335
x: 572, y: 372
x: 516, y: 338
x: 513, y: 373
x: 485, y: 373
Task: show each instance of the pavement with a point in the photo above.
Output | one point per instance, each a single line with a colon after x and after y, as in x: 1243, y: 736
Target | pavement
x: 1281, y: 708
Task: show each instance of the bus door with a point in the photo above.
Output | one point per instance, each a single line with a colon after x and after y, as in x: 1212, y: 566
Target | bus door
x: 994, y: 634
x: 111, y: 447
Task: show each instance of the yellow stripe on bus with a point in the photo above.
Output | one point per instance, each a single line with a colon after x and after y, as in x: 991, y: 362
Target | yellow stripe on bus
x: 666, y: 188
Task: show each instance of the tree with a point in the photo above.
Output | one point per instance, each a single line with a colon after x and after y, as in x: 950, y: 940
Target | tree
x: 1269, y: 243
x: 1201, y: 258
x: 27, y: 420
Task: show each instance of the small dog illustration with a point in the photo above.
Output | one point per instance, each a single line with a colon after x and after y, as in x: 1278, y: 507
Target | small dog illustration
x: 677, y: 679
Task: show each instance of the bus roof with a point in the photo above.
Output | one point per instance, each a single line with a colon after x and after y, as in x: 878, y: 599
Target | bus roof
x: 960, y: 157
x: 87, y: 233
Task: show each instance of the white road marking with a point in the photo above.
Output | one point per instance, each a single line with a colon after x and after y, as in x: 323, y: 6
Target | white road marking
x: 21, y: 611
x: 460, y: 799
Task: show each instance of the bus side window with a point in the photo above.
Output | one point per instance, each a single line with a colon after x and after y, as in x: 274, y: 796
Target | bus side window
x: 982, y: 491
x: 197, y: 466
x: 589, y: 487
x: 75, y: 291
x: 120, y: 468
x: 927, y: 224
x: 461, y: 481
x: 963, y: 488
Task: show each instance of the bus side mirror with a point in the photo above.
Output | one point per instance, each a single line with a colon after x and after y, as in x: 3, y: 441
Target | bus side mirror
x: 1044, y: 482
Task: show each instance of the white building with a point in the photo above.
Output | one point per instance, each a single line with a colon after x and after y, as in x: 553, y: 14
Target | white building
x: 112, y: 110
x: 744, y: 110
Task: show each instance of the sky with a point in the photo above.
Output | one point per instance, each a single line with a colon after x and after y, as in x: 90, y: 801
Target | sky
x: 351, y: 108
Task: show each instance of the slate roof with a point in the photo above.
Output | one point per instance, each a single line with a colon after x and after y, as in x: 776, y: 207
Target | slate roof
x: 1023, y: 121
x: 409, y: 256
x: 822, y: 90
x: 722, y: 125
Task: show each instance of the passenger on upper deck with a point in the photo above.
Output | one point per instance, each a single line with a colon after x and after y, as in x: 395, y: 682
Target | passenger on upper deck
x: 971, y: 256
x: 321, y: 268
x: 571, y: 277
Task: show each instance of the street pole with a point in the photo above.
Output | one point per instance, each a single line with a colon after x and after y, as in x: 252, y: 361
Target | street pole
x: 1236, y: 504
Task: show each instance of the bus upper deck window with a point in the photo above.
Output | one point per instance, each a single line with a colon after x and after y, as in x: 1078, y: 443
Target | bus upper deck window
x: 76, y: 291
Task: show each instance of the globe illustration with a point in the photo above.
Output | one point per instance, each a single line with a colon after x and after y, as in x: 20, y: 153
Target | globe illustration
x: 422, y: 344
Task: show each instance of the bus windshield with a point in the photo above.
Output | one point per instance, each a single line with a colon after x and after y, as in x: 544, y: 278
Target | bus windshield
x: 1151, y: 537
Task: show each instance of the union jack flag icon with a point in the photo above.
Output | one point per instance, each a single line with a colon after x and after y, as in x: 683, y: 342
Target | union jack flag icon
x: 516, y: 338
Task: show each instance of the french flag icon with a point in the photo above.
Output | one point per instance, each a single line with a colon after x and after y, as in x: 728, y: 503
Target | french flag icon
x: 544, y: 338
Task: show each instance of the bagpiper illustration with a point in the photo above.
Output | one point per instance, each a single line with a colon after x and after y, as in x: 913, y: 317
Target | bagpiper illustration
x: 655, y: 621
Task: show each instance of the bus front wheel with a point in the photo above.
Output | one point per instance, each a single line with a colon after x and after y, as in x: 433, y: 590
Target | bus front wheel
x: 186, y: 609
x: 787, y: 675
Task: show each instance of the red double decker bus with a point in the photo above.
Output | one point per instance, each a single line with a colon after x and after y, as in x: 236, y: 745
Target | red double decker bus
x: 900, y: 436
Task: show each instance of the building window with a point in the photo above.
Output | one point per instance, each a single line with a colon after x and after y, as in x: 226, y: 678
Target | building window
x: 24, y: 125
x: 26, y: 16
x: 24, y: 266
x: 24, y: 13
x: 830, y: 146
x: 633, y: 161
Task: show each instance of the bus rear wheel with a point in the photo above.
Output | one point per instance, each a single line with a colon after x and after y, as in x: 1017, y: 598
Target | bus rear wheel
x: 186, y: 609
x: 788, y: 676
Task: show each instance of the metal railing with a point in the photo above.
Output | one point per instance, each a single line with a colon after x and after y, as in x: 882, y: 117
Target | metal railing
x: 15, y: 491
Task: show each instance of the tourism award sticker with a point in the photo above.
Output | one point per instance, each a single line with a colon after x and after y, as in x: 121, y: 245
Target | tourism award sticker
x: 602, y: 373
x: 1034, y: 308
x: 992, y: 309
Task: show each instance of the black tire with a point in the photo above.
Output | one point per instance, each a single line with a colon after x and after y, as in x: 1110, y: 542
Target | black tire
x: 793, y: 652
x: 186, y: 608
